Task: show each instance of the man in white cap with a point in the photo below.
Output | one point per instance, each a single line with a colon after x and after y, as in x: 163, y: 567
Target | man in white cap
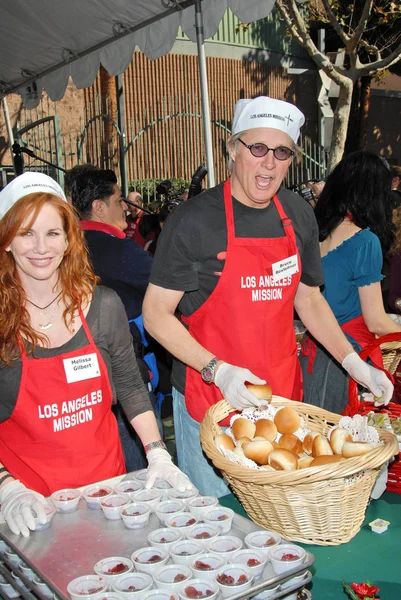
x: 234, y: 262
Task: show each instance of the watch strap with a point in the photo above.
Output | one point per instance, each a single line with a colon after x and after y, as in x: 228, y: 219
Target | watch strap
x: 153, y: 445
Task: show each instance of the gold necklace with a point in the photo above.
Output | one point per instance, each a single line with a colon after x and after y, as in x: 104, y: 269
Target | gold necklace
x: 42, y: 312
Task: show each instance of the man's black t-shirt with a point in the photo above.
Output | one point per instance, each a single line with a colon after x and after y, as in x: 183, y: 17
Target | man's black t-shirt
x: 191, y: 249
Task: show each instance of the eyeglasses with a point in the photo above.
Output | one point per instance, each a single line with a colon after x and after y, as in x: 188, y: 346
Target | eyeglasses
x: 259, y: 150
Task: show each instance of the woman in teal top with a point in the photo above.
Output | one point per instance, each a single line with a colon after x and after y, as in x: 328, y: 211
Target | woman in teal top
x: 354, y: 218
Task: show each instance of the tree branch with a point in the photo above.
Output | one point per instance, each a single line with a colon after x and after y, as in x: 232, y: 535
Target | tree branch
x: 357, y: 35
x: 296, y: 24
x: 335, y: 24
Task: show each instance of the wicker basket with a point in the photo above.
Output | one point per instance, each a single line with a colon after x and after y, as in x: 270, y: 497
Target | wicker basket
x: 320, y: 505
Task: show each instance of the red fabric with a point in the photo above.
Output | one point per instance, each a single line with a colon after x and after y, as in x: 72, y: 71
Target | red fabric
x: 96, y: 226
x: 358, y: 330
x: 238, y: 326
x: 133, y: 232
x: 36, y: 445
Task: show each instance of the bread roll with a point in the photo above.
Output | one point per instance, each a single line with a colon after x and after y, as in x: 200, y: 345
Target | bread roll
x: 258, y: 451
x: 321, y: 446
x: 287, y: 420
x: 224, y: 441
x: 351, y: 449
x: 326, y: 460
x: 307, y: 443
x: 337, y: 438
x: 304, y: 462
x: 291, y: 442
x: 283, y: 460
x: 263, y: 392
x: 266, y: 428
x: 243, y: 440
x: 259, y: 438
x: 243, y: 428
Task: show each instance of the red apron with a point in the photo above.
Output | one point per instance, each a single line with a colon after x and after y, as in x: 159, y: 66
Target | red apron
x: 62, y: 434
x: 247, y: 321
x: 357, y: 329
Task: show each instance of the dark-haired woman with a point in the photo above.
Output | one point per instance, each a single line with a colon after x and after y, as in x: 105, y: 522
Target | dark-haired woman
x: 355, y: 230
x: 66, y: 353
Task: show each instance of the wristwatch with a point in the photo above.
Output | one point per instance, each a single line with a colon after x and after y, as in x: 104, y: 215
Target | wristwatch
x: 153, y: 445
x: 207, y: 373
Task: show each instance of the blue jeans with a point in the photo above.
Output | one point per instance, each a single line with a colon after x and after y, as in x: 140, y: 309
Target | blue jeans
x: 134, y: 454
x: 190, y: 456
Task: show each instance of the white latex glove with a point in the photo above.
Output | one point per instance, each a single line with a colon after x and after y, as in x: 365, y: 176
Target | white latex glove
x: 374, y: 379
x: 369, y: 397
x: 20, y: 505
x: 231, y: 382
x: 161, y: 466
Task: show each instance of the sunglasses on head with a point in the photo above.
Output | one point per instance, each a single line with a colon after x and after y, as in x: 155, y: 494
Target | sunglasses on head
x: 259, y: 150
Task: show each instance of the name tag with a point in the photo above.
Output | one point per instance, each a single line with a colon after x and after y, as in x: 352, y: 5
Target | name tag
x: 82, y: 367
x: 285, y: 267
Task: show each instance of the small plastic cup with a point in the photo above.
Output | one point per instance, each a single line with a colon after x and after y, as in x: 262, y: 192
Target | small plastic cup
x: 221, y: 517
x: 297, y: 580
x: 199, y: 504
x: 113, y: 567
x: 254, y: 559
x: 168, y: 507
x: 140, y: 475
x: 184, y: 551
x: 201, y: 587
x: 268, y: 593
x: 85, y: 587
x: 164, y: 537
x: 94, y: 494
x: 133, y: 585
x: 233, y: 579
x: 67, y: 500
x: 286, y: 557
x: 204, y: 532
x: 8, y: 589
x: 19, y: 582
x: 107, y: 596
x: 50, y: 512
x: 262, y: 540
x: 112, y: 505
x: 159, y: 595
x: 225, y: 544
x: 149, y: 560
x: 183, y: 521
x: 128, y: 487
x: 152, y: 497
x: 46, y: 591
x: 207, y: 565
x: 27, y: 571
x: 171, y: 577
x: 186, y: 495
x: 13, y: 557
x: 135, y: 515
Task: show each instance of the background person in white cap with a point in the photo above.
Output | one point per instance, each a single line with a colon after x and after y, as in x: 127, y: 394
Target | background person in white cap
x: 66, y: 353
x: 235, y: 261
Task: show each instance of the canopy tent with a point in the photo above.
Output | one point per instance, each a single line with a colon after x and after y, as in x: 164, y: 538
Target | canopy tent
x: 45, y: 42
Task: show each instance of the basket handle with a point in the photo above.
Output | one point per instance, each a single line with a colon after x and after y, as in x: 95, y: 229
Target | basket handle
x: 353, y: 400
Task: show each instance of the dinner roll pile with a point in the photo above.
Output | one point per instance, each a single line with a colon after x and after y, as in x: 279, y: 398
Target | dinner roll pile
x: 281, y: 443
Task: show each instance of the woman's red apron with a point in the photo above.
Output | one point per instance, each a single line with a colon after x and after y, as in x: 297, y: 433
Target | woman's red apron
x: 357, y: 329
x: 63, y: 434
x: 248, y: 319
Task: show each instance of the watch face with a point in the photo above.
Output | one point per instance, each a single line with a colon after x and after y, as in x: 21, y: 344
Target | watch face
x: 207, y: 374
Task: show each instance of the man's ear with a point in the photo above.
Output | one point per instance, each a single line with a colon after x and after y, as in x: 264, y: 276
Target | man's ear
x: 231, y: 149
x: 98, y: 208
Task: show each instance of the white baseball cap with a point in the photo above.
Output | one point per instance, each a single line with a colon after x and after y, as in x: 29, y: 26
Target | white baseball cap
x: 28, y: 183
x: 267, y: 112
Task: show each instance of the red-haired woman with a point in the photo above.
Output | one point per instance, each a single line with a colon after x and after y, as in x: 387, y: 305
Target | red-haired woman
x: 65, y: 355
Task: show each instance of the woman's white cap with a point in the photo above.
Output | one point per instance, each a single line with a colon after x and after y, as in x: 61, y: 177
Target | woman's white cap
x: 28, y: 183
x: 267, y: 112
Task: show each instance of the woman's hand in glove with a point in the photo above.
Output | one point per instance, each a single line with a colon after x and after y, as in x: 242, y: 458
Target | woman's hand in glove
x: 161, y: 466
x: 20, y: 506
x: 231, y: 382
x: 374, y: 379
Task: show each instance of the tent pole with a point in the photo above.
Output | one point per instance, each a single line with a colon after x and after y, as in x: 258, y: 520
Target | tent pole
x: 9, y: 128
x: 121, y: 136
x: 204, y: 92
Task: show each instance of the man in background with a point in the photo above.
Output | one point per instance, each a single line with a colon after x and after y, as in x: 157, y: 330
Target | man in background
x: 134, y: 218
x: 396, y: 186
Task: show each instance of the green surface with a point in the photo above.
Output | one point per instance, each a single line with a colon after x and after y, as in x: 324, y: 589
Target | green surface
x: 368, y: 556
